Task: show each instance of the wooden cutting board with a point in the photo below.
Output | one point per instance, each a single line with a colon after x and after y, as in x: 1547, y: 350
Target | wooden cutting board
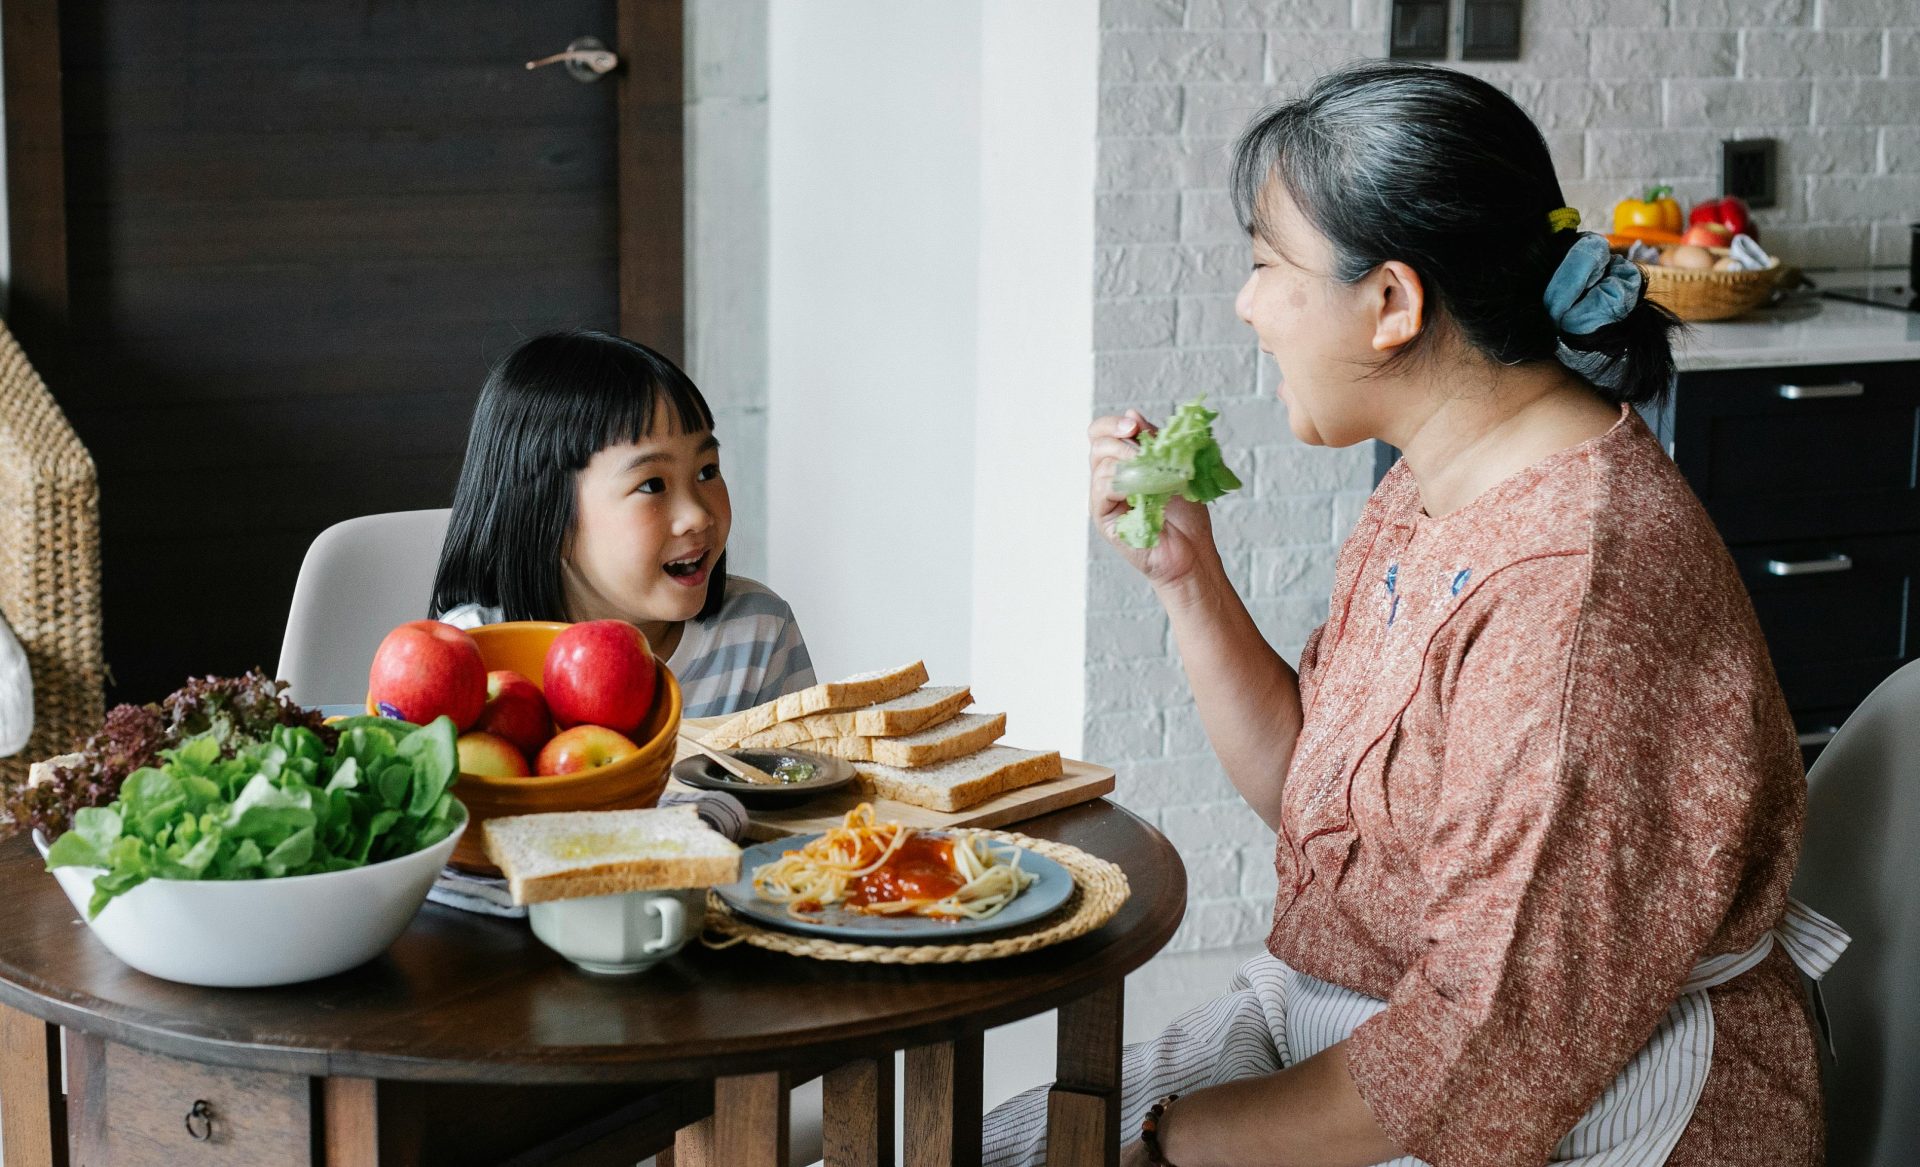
x: 1081, y: 782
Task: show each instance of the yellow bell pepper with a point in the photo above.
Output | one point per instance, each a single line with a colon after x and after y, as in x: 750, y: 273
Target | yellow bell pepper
x: 1659, y: 210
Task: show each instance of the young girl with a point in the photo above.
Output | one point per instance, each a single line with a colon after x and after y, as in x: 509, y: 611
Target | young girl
x: 592, y: 491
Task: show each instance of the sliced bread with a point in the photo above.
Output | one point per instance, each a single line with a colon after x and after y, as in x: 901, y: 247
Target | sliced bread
x: 961, y: 783
x: 966, y: 734
x: 921, y: 709
x: 857, y: 690
x: 605, y: 852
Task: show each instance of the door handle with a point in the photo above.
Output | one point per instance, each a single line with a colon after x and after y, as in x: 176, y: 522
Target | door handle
x: 1810, y: 392
x: 1809, y: 566
x: 586, y: 59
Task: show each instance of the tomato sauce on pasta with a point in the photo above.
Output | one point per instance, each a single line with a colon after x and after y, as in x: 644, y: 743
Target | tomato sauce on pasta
x: 889, y: 869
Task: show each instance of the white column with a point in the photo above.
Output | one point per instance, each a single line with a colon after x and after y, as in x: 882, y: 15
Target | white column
x: 1039, y: 95
x: 874, y: 141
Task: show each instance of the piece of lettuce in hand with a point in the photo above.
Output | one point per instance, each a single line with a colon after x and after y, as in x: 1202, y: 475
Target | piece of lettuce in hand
x: 1182, y: 458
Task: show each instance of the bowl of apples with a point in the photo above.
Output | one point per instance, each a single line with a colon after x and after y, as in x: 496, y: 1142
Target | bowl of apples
x: 553, y: 717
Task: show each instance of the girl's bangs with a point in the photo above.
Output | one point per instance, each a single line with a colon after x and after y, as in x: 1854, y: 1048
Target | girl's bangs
x: 631, y: 412
x: 618, y: 392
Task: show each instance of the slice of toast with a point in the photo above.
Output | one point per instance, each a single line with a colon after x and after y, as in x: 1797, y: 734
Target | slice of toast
x: 966, y: 734
x: 857, y: 690
x: 605, y: 852
x: 961, y: 783
x: 921, y: 709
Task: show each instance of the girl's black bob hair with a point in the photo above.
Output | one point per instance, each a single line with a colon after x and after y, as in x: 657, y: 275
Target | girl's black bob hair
x: 547, y: 408
x: 1399, y: 160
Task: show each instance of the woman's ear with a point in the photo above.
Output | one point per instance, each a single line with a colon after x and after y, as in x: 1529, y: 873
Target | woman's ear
x: 1401, y: 307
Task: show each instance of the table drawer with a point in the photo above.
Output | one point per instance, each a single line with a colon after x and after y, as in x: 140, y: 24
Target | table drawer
x: 1835, y: 612
x: 1802, y: 452
x: 142, y: 1100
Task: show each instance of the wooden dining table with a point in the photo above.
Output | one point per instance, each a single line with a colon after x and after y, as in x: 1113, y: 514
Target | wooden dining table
x: 469, y: 1041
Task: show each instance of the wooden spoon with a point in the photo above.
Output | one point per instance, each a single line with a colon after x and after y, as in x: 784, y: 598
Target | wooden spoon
x: 732, y: 765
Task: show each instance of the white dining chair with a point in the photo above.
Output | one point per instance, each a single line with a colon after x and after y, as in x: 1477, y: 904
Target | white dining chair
x: 359, y: 580
x: 1861, y: 866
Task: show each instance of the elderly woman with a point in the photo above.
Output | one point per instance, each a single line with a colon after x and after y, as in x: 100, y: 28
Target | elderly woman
x: 1537, y: 797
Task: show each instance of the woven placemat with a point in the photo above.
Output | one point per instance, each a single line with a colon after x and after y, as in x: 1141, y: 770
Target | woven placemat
x: 1099, y: 889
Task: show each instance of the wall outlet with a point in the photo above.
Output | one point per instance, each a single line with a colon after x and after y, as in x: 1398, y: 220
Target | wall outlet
x: 1750, y: 169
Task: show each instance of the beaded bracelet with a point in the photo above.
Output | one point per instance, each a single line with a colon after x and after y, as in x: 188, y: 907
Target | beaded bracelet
x: 1150, y: 1131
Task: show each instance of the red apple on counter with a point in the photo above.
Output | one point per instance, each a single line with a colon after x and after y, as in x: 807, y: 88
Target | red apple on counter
x: 584, y: 747
x: 515, y: 710
x: 600, y: 672
x: 490, y: 755
x: 1729, y: 212
x: 425, y: 669
x: 1707, y: 235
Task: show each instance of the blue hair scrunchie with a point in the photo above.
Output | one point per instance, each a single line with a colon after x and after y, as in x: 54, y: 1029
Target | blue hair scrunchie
x: 1591, y: 289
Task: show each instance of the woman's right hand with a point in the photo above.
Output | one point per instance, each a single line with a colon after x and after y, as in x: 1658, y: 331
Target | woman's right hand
x: 1186, y: 537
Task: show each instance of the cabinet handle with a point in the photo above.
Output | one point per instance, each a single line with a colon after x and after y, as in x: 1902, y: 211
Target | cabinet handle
x: 1809, y: 392
x: 200, y: 1121
x: 1819, y: 737
x: 1809, y: 566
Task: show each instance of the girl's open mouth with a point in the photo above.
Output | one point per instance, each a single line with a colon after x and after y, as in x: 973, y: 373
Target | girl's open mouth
x: 691, y: 571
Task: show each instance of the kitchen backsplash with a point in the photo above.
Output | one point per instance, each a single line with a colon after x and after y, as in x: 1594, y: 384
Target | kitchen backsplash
x: 1626, y: 92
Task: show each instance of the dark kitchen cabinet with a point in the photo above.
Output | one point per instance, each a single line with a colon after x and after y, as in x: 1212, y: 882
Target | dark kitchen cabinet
x: 1811, y: 452
x: 1812, y: 474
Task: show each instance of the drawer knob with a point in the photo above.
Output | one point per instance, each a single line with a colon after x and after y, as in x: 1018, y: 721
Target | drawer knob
x: 200, y: 1121
x: 1810, y: 392
x: 1809, y: 566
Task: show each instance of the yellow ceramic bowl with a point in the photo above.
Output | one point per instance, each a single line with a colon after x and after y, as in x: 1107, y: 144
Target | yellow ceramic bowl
x: 627, y: 784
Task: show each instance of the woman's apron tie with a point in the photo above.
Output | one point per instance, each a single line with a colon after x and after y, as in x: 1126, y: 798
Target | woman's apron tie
x: 1811, y: 941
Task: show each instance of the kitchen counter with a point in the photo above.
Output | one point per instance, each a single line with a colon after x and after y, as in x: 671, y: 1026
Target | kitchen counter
x: 1808, y: 330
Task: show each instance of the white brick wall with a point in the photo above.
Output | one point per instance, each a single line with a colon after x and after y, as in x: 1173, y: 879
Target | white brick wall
x: 1628, y: 91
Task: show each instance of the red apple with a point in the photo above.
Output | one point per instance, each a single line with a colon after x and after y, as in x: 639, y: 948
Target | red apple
x: 584, y: 747
x: 600, y: 672
x: 515, y: 710
x: 424, y: 669
x: 1707, y: 235
x: 491, y: 755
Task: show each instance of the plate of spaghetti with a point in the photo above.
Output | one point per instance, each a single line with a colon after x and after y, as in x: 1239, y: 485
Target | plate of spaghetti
x: 876, y: 882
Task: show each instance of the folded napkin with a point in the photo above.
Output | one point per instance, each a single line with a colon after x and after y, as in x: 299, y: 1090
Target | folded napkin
x: 488, y: 895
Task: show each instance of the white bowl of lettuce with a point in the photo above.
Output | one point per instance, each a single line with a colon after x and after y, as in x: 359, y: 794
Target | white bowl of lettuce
x: 283, y: 863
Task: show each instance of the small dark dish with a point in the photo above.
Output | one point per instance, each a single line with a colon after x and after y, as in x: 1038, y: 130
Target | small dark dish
x: 704, y: 773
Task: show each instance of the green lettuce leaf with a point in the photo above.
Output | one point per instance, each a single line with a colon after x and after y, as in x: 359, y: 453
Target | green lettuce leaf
x: 281, y: 807
x: 1181, y: 459
x: 435, y: 755
x: 94, y: 830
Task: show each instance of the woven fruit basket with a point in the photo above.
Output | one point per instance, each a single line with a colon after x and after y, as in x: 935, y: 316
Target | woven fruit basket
x: 1696, y: 295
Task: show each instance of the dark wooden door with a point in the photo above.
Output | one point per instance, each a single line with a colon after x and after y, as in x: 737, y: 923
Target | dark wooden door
x: 296, y: 234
